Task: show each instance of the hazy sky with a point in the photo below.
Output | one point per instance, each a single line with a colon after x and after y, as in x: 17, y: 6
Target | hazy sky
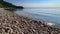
x: 36, y: 3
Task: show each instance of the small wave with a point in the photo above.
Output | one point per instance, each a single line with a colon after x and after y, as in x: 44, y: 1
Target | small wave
x: 50, y: 24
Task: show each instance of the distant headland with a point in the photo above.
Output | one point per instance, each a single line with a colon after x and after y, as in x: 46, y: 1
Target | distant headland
x: 9, y: 6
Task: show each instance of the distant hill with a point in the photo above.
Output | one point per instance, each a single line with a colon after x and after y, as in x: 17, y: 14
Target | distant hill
x: 7, y: 5
x: 1, y: 3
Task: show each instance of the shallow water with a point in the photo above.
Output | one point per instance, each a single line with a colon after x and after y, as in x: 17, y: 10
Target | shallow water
x: 45, y: 14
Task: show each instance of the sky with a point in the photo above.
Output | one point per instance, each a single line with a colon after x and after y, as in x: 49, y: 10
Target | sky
x: 36, y: 3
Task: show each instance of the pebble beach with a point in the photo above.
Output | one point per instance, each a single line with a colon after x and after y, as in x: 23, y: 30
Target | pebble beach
x: 11, y: 23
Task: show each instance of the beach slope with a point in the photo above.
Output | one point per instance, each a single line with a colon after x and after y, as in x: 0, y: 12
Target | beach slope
x: 11, y: 23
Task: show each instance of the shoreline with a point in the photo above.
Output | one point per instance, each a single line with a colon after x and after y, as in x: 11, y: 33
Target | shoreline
x: 11, y: 23
x: 46, y: 22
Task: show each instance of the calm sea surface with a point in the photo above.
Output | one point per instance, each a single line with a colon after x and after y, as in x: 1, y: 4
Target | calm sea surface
x: 45, y: 14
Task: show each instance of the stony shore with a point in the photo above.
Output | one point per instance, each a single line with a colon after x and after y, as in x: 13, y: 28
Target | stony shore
x: 11, y: 23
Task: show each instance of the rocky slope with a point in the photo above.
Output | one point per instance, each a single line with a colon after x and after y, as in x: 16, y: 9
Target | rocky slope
x: 11, y: 23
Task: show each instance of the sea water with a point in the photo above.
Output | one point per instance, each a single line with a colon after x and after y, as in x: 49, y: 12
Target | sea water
x: 46, y: 14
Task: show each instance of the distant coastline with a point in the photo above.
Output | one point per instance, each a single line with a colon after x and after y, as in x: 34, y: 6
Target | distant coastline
x: 9, y: 6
